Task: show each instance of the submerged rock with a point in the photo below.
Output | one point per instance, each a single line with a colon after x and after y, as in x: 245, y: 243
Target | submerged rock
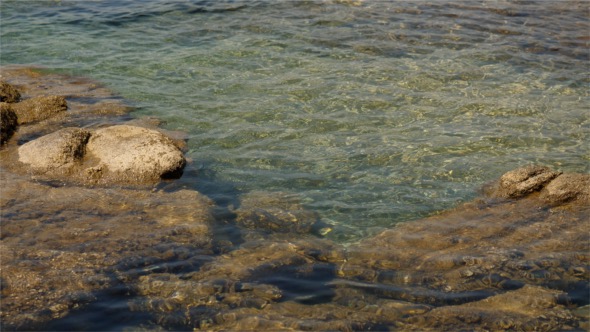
x: 62, y: 245
x: 8, y: 93
x: 134, y: 154
x: 39, y: 108
x: 277, y: 212
x: 57, y: 153
x: 8, y: 122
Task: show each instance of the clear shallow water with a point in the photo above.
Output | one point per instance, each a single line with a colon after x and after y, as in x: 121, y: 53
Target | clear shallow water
x: 374, y: 112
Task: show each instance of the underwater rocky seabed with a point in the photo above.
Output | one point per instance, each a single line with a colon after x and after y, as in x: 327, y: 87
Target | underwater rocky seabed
x: 153, y: 256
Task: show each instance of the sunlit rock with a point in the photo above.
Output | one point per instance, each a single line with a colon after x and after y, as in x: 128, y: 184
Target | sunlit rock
x: 56, y: 153
x: 135, y: 154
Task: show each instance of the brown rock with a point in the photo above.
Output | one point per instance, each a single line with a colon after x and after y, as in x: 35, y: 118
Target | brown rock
x: 39, y: 108
x: 568, y: 187
x: 8, y: 122
x: 523, y: 181
x: 8, y: 94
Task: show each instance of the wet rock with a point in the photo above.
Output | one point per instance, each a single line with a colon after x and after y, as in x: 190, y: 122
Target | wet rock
x: 39, y: 108
x: 277, y: 212
x: 530, y: 308
x: 8, y: 123
x: 524, y: 180
x: 56, y: 153
x: 8, y: 94
x: 135, y: 154
x: 61, y: 245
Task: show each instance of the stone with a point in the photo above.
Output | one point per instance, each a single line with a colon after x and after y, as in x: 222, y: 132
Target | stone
x: 523, y: 181
x: 39, y: 108
x: 8, y: 122
x: 8, y: 94
x: 135, y: 154
x: 568, y: 187
x: 55, y: 153
x: 61, y: 245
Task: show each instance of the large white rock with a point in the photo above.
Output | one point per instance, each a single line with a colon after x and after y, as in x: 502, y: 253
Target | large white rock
x: 135, y: 153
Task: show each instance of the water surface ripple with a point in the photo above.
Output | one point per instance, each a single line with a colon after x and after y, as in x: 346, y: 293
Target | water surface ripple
x: 374, y: 112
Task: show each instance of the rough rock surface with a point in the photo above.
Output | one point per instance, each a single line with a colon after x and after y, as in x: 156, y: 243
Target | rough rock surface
x: 523, y: 181
x: 61, y: 245
x: 116, y: 154
x: 39, y: 108
x: 56, y: 153
x: 8, y: 123
x: 137, y: 153
x: 8, y: 94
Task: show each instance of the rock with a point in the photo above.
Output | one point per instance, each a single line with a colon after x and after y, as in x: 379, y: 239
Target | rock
x: 530, y: 308
x: 61, y: 245
x: 277, y: 212
x: 39, y: 108
x: 568, y: 187
x: 523, y: 181
x: 8, y: 122
x: 135, y: 154
x: 8, y: 94
x: 55, y: 153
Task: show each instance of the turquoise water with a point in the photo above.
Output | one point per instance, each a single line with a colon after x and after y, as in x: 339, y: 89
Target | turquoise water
x: 374, y: 112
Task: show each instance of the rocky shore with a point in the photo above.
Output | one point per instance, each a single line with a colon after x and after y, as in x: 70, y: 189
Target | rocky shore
x: 81, y: 221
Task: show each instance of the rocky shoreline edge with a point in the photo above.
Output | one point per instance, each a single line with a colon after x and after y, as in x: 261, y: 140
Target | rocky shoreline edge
x: 516, y: 258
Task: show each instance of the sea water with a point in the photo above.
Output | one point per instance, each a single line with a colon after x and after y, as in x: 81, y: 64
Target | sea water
x: 373, y: 112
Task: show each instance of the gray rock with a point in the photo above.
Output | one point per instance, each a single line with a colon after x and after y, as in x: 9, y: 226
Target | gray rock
x: 39, y: 108
x: 8, y: 93
x: 135, y: 154
x: 8, y: 122
x: 55, y: 153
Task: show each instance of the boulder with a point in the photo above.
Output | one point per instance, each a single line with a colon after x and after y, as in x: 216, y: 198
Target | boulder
x: 8, y: 122
x: 8, y: 93
x: 135, y: 154
x: 39, y: 108
x: 55, y: 153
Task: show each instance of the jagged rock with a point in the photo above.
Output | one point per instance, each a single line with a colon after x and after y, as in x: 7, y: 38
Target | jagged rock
x: 55, y: 153
x: 39, y: 108
x: 8, y: 122
x: 135, y: 154
x: 8, y: 94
